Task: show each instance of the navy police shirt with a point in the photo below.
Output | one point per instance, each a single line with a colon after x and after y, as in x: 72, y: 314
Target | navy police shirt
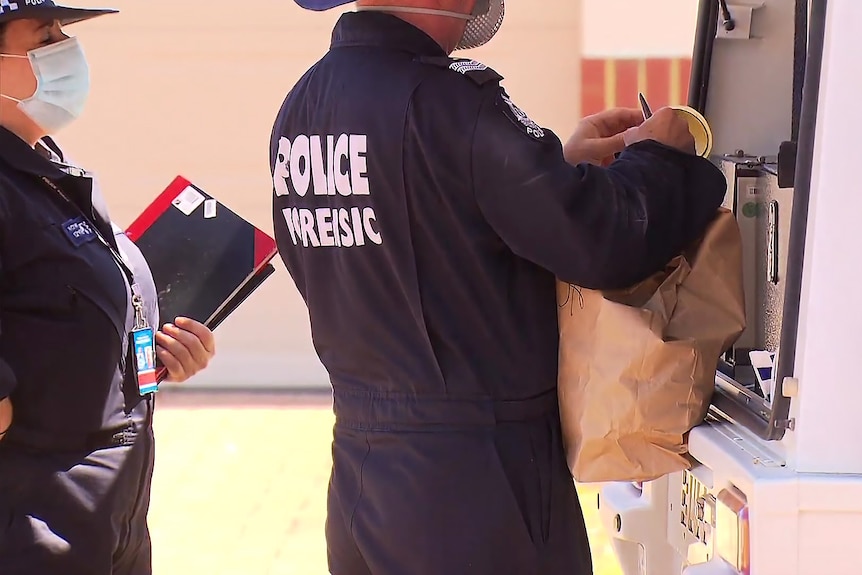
x: 65, y: 311
x: 424, y: 218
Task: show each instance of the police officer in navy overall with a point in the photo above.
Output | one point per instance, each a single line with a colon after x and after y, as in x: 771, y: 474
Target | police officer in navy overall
x: 77, y: 309
x: 424, y: 218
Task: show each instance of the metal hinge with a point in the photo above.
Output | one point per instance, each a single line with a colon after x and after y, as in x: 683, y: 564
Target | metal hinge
x: 738, y: 27
x: 741, y: 158
x: 785, y: 424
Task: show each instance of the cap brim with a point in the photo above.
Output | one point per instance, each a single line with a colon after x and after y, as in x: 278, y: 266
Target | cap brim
x: 321, y: 5
x: 68, y: 16
x: 64, y: 14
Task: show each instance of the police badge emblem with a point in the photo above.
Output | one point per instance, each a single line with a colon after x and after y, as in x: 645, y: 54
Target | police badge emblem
x: 520, y: 118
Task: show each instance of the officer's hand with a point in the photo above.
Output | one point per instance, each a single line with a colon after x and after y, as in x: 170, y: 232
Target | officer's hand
x: 185, y: 348
x: 665, y: 127
x: 5, y: 416
x: 598, y: 137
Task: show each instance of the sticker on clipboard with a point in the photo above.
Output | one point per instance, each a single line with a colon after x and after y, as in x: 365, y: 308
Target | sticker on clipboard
x: 188, y: 201
x: 201, y: 270
x: 210, y: 208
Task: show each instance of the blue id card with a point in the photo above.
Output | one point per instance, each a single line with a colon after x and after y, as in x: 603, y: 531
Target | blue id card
x: 144, y: 347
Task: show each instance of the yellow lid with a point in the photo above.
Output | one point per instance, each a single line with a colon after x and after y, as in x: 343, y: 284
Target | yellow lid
x: 699, y: 128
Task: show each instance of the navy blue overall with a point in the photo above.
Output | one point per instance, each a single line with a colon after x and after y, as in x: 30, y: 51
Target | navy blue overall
x: 424, y: 218
x: 76, y: 465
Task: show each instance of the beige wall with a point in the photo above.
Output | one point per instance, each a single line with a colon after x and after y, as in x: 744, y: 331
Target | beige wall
x: 538, y: 52
x: 191, y: 87
x: 639, y: 28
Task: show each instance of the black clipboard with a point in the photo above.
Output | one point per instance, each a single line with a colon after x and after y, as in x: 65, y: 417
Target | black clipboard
x: 205, y: 259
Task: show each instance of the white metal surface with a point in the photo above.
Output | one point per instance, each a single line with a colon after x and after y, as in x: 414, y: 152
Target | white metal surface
x: 716, y: 567
x: 829, y: 396
x: 636, y: 522
x: 800, y: 523
x: 751, y: 83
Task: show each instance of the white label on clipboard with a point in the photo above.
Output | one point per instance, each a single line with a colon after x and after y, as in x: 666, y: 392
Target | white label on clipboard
x: 188, y: 200
x: 210, y: 208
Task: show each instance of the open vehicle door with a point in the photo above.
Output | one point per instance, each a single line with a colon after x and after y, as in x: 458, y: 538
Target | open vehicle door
x: 777, y: 483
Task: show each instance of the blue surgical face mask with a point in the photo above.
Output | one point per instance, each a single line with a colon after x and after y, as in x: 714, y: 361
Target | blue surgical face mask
x: 62, y: 84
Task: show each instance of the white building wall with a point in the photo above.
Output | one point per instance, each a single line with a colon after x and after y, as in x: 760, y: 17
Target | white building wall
x: 192, y: 88
x: 638, y: 28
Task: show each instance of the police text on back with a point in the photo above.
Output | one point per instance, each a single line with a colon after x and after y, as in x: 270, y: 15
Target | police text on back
x: 334, y: 167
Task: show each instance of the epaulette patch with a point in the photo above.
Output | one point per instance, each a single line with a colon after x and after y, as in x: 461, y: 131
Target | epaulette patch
x: 520, y: 118
x: 476, y: 71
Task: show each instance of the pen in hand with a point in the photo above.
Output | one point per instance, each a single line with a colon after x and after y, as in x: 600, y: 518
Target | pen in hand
x: 646, y: 112
x: 644, y: 106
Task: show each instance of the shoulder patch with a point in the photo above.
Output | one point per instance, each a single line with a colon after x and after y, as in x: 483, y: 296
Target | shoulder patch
x: 476, y: 71
x: 467, y: 66
x: 519, y: 117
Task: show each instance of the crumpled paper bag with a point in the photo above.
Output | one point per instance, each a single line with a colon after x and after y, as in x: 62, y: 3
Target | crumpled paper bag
x: 637, y: 366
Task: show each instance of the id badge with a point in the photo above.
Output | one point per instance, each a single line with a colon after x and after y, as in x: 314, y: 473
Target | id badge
x: 144, y: 344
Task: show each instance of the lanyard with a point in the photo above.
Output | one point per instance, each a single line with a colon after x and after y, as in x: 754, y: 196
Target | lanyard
x: 137, y: 299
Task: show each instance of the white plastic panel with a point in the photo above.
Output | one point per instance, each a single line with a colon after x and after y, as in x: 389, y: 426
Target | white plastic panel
x: 829, y: 396
x: 801, y: 523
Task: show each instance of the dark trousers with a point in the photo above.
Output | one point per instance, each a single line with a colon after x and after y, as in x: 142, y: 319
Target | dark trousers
x: 84, y: 513
x: 483, y: 501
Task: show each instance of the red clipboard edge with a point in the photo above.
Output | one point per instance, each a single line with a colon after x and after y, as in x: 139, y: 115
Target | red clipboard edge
x: 265, y: 249
x: 156, y: 208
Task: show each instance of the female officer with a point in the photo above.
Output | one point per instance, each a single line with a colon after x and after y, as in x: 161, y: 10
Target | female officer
x: 75, y: 297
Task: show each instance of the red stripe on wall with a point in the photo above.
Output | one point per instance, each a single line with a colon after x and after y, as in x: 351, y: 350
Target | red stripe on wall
x: 627, y: 83
x: 660, y: 90
x: 592, y: 86
x: 658, y: 82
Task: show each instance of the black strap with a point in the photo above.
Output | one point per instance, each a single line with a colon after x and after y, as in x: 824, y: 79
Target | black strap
x: 800, y: 57
x: 49, y: 143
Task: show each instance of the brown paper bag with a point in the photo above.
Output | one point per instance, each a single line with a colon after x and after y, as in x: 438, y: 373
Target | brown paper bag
x: 637, y: 366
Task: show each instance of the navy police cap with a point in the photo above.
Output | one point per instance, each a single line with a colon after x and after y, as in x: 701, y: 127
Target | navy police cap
x: 320, y: 4
x: 47, y: 10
